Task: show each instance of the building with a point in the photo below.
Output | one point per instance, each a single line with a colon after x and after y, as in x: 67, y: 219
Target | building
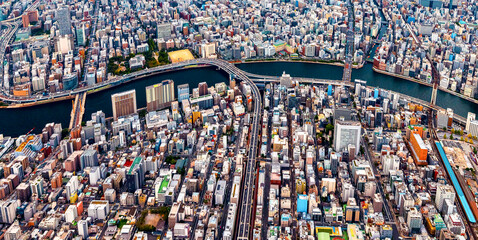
x: 14, y: 232
x: 419, y: 150
x: 29, y: 17
x: 159, y: 95
x: 203, y: 88
x: 471, y: 116
x: 473, y: 128
x: 183, y: 92
x: 70, y: 81
x: 83, y: 228
x: 64, y: 20
x: 445, y: 118
x: 208, y: 50
x: 414, y: 220
x: 123, y: 103
x: 164, y: 31
x: 8, y: 211
x: 390, y: 163
x: 347, y: 133
x: 348, y: 192
x: 135, y: 175
x: 98, y: 209
x: 80, y: 35
x: 444, y: 192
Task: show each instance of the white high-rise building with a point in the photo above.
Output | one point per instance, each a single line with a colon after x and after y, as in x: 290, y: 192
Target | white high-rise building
x: 71, y: 213
x: 83, y: 228
x: 8, y: 211
x: 444, y: 192
x: 348, y: 191
x: 390, y: 162
x: 347, y: 132
x: 469, y: 119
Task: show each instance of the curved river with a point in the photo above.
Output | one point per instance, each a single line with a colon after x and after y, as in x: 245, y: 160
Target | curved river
x: 18, y: 121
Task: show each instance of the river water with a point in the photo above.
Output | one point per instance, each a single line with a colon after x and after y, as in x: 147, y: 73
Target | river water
x: 15, y: 122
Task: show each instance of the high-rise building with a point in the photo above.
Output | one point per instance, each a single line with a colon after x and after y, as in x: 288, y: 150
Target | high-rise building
x: 29, y: 17
x: 347, y: 132
x: 183, y: 92
x: 64, y: 20
x: 419, y: 150
x: 124, y: 103
x: 348, y: 191
x: 159, y: 95
x: 444, y: 192
x: 414, y: 219
x: 471, y: 116
x: 8, y: 211
x: 390, y: 162
x: 135, y: 175
x: 203, y: 88
x: 208, y: 50
x: 37, y: 186
x: 80, y: 35
x: 83, y: 228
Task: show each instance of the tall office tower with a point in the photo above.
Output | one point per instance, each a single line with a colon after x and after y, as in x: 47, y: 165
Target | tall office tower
x: 471, y: 116
x: 444, y: 192
x: 203, y: 88
x: 347, y: 132
x: 183, y: 92
x: 64, y: 20
x: 123, y: 103
x: 159, y: 95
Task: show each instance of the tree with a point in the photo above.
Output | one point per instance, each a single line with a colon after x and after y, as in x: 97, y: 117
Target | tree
x: 142, y: 113
x: 444, y: 136
x: 474, y: 150
x: 461, y: 139
x: 65, y: 132
x: 362, y: 150
x: 451, y: 136
x: 329, y: 127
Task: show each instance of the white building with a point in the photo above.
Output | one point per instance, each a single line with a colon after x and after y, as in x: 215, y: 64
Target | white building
x: 390, y: 162
x: 444, y: 192
x: 99, y: 209
x: 347, y: 132
x: 71, y: 213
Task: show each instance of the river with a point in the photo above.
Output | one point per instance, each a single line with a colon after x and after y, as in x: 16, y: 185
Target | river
x: 18, y: 121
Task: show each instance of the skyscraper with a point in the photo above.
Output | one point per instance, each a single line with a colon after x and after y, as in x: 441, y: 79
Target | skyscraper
x: 183, y: 92
x: 347, y: 132
x: 123, y: 103
x: 64, y: 20
x: 159, y: 95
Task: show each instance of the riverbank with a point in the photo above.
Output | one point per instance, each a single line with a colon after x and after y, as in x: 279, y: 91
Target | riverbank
x: 338, y: 64
x: 41, y: 102
x: 473, y: 100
